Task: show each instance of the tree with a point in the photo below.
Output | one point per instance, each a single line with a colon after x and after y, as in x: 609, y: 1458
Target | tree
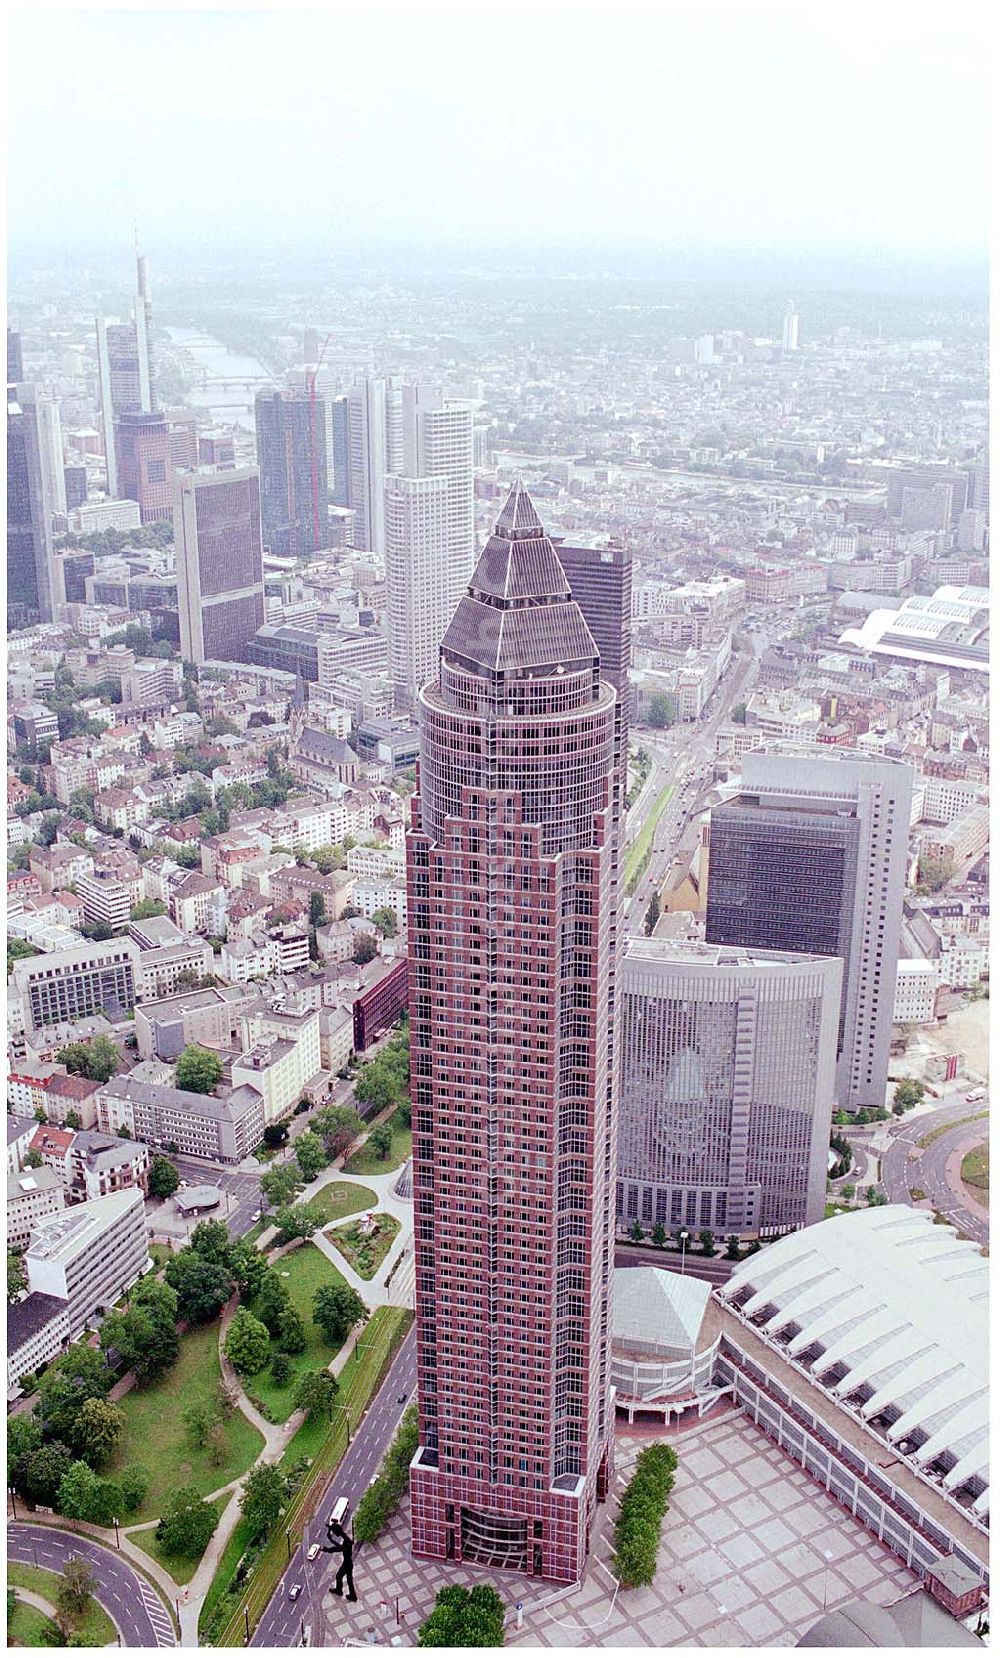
x: 365, y: 950
x: 38, y: 1474
x: 299, y: 1220
x: 640, y: 1516
x: 98, y: 1060
x: 247, y: 1345
x: 264, y: 1496
x: 275, y: 1135
x: 317, y: 909
x: 163, y: 1177
x: 187, y: 1526
x: 78, y: 1492
x: 464, y: 1618
x: 732, y: 1247
x: 380, y: 1141
x: 652, y: 915
x: 203, y: 1287
x: 706, y: 1237
x: 146, y: 909
x: 315, y: 1392
x: 336, y: 1309
x: 76, y: 1586
x: 77, y: 1375
x: 908, y: 1092
x: 248, y: 1267
x: 738, y: 713
x: 97, y: 1432
x: 338, y: 1125
x: 16, y: 1276
x: 385, y: 921
x: 291, y: 1336
x: 659, y: 1235
x: 198, y: 1070
x: 210, y: 1240
x: 282, y: 1370
x: 636, y: 1232
x: 662, y: 712
x: 133, y: 1483
x: 311, y: 1155
x: 279, y: 1185
x: 199, y: 1419
x: 272, y: 1299
x: 933, y: 873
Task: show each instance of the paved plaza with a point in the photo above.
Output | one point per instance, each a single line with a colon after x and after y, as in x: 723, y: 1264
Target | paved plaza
x: 752, y: 1552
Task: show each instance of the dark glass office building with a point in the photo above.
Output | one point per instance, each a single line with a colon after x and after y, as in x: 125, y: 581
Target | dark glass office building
x: 291, y: 446
x: 29, y: 523
x: 810, y: 857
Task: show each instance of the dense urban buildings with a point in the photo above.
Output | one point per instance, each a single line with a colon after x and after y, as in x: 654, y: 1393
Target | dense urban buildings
x: 512, y: 1064
x: 220, y: 572
x: 727, y: 1071
x: 810, y: 856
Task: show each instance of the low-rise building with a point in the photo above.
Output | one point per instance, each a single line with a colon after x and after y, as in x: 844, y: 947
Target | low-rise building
x: 381, y: 1003
x: 917, y: 983
x: 89, y: 1255
x: 65, y: 1095
x: 168, y: 967
x: 98, y: 1163
x: 31, y: 1195
x: 68, y: 985
x: 195, y: 1125
x: 37, y: 1330
x: 20, y: 1130
x: 209, y: 1017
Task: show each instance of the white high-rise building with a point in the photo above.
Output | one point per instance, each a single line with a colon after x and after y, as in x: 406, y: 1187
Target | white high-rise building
x: 376, y: 448
x: 790, y: 328
x: 50, y: 421
x: 429, y: 534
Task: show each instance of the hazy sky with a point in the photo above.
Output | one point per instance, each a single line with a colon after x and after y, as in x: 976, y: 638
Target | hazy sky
x: 742, y: 124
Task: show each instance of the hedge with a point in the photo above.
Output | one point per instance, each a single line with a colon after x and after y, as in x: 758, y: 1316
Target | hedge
x: 640, y: 1516
x: 385, y: 1494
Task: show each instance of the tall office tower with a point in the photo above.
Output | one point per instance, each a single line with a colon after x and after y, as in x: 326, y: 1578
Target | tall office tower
x: 143, y: 330
x: 15, y: 361
x: 375, y: 415
x: 122, y: 381
x: 978, y: 493
x: 513, y: 1067
x: 52, y: 453
x: 429, y: 534
x: 75, y: 485
x: 810, y: 856
x: 291, y: 454
x: 600, y: 580
x: 790, y: 328
x: 340, y: 451
x: 727, y: 1066
x: 922, y: 492
x: 220, y: 563
x: 29, y: 512
x: 143, y: 463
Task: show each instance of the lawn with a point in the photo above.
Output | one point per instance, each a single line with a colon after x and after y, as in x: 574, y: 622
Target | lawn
x: 365, y: 1161
x: 181, y: 1567
x: 26, y: 1626
x: 365, y: 1253
x: 638, y: 854
x: 307, y: 1269
x: 976, y: 1172
x: 339, y: 1199
x: 228, y: 1563
x: 155, y: 1435
x: 96, y: 1629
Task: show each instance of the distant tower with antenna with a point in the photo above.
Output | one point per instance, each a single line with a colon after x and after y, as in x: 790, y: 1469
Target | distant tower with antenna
x: 790, y: 328
x: 143, y: 329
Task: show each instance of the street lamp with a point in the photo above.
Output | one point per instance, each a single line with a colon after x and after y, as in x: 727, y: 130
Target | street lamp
x: 828, y: 1557
x: 684, y: 1236
x: 114, y: 1522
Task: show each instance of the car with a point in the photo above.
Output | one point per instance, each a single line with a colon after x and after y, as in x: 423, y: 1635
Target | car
x: 295, y: 1591
x: 255, y: 1215
x: 402, y: 1399
x: 314, y: 1549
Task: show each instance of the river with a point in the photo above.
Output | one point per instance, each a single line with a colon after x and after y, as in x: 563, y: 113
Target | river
x: 229, y: 380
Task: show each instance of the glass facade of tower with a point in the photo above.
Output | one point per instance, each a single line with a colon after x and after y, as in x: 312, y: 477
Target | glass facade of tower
x: 512, y: 931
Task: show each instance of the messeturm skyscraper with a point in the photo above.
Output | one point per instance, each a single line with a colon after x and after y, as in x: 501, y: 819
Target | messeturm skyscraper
x: 512, y: 935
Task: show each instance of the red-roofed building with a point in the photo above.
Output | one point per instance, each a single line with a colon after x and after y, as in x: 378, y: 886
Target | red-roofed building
x: 51, y: 1145
x: 65, y: 1093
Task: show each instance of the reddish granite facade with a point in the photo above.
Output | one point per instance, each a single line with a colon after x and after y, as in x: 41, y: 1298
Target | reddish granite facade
x: 513, y: 895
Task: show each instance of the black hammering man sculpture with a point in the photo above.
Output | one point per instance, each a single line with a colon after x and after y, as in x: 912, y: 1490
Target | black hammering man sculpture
x: 338, y: 1542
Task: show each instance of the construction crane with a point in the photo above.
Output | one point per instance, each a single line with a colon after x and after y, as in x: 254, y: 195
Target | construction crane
x: 313, y: 447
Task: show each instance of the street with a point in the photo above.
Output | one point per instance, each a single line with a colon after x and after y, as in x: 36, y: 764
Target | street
x: 927, y: 1171
x: 283, y: 1621
x: 125, y: 1595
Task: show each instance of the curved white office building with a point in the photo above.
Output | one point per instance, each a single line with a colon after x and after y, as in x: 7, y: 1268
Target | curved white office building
x: 727, y: 1073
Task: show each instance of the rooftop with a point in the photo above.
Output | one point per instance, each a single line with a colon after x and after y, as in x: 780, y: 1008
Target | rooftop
x: 64, y: 1236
